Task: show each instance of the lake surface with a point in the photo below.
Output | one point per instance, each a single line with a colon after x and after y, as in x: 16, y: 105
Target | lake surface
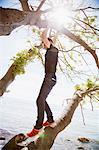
x: 19, y: 115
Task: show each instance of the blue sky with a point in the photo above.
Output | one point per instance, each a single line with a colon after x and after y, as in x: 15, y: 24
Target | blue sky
x: 15, y: 2
x: 97, y: 2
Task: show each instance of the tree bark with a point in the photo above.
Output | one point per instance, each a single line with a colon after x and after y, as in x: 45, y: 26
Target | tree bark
x: 24, y: 4
x: 10, y: 19
x: 13, y: 18
x: 7, y: 79
x: 46, y: 141
x: 7, y: 18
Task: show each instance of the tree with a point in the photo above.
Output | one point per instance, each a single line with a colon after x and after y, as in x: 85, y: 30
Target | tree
x: 85, y: 28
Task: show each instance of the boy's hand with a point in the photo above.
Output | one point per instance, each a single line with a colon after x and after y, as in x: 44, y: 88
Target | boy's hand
x: 45, y: 40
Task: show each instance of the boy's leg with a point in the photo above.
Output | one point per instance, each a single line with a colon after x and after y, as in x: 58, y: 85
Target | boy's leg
x: 48, y: 113
x: 47, y: 85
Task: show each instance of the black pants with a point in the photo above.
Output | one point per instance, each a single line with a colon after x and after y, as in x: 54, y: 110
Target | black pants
x: 48, y: 83
x: 42, y: 105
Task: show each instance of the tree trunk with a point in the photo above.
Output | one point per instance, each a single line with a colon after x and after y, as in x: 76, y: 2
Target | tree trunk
x: 7, y: 79
x: 46, y: 141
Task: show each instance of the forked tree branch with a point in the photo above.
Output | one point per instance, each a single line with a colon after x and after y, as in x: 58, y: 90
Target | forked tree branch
x: 24, y: 4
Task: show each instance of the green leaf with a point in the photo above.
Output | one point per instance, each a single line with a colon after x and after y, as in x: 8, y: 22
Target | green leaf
x: 77, y: 87
x: 90, y: 83
x: 92, y: 20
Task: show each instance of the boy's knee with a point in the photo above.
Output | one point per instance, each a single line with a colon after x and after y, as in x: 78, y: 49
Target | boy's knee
x: 51, y: 78
x: 53, y: 81
x: 39, y: 101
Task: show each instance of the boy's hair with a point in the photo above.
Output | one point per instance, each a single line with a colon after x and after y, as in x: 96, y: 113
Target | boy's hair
x: 50, y: 40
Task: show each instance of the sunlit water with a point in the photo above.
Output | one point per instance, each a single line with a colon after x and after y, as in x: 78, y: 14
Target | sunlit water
x: 18, y: 115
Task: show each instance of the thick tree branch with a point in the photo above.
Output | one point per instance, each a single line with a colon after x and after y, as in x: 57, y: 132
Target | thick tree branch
x: 24, y: 4
x: 10, y: 19
x: 6, y: 80
x: 82, y: 43
x: 7, y: 18
x: 13, y: 18
x: 46, y: 141
x: 77, y: 98
x: 41, y: 4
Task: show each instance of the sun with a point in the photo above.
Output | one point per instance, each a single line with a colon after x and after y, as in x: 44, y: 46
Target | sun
x: 60, y: 16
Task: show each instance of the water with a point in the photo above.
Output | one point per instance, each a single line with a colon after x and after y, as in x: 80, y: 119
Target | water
x: 19, y: 115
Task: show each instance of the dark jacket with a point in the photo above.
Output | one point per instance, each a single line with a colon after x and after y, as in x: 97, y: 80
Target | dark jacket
x: 51, y: 58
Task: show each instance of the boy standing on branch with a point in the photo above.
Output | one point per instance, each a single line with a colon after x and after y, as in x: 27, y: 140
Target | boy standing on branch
x: 51, y: 58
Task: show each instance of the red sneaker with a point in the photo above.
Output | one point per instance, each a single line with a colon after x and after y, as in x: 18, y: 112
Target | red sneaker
x: 33, y: 132
x: 46, y: 123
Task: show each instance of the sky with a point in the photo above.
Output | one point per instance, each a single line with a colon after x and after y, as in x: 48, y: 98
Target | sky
x: 97, y: 2
x: 10, y: 3
x: 27, y: 86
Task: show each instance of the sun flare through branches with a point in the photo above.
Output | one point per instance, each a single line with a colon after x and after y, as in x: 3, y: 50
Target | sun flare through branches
x: 60, y: 15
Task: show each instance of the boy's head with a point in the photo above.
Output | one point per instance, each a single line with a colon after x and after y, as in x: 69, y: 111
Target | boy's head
x: 47, y: 42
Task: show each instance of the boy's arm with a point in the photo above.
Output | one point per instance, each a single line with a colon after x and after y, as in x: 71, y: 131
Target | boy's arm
x: 44, y: 38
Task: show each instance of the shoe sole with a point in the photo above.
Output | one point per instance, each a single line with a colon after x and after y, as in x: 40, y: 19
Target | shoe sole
x: 30, y: 139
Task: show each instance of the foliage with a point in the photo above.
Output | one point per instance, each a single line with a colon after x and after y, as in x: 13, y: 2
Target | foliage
x: 90, y: 83
x: 22, y: 59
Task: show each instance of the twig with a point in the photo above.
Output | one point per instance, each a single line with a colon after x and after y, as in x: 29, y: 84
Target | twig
x: 41, y: 4
x: 79, y: 24
x: 95, y: 8
x: 85, y: 15
x: 87, y: 24
x: 96, y: 98
x: 82, y: 114
x: 91, y: 103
